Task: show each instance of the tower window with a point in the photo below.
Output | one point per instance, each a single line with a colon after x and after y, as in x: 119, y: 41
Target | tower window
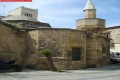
x: 25, y: 14
x: 29, y: 15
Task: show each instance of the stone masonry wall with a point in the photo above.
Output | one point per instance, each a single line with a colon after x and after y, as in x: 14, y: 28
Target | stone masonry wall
x: 97, y: 50
x: 61, y: 41
x: 12, y: 45
x: 88, y: 24
x: 114, y: 35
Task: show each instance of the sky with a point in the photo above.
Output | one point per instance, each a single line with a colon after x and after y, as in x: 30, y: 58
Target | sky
x: 64, y: 13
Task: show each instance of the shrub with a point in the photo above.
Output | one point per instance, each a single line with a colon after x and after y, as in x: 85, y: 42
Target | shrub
x: 47, y: 52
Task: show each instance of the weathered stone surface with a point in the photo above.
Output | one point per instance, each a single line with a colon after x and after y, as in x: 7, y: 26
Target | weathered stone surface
x: 97, y: 53
x: 25, y: 47
x: 11, y: 47
x: 28, y: 24
x: 87, y: 24
x: 61, y: 42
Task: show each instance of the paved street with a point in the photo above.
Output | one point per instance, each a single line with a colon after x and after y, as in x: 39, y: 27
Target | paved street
x: 111, y: 72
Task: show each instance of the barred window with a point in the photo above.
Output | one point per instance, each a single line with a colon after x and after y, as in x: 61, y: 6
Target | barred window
x: 76, y: 54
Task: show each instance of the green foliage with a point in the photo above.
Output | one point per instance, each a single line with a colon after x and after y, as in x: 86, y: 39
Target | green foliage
x: 47, y: 52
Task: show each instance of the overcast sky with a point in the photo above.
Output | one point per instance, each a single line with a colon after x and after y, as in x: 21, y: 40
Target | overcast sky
x: 64, y: 13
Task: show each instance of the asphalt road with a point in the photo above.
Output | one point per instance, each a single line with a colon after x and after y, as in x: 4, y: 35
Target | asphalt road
x: 111, y: 72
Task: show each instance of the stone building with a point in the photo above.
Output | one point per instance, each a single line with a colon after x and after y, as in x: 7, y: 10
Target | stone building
x: 23, y: 11
x: 25, y: 18
x: 90, y: 21
x: 115, y: 40
x: 85, y: 46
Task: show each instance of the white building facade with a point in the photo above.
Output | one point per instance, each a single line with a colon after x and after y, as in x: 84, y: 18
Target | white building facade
x: 115, y: 40
x: 23, y: 11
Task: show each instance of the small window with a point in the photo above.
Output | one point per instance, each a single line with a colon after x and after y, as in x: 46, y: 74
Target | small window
x: 103, y: 49
x: 117, y: 53
x: 31, y: 15
x: 25, y: 14
x: 76, y: 54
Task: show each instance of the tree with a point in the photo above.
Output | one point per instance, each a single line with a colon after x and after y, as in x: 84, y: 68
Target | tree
x: 48, y: 53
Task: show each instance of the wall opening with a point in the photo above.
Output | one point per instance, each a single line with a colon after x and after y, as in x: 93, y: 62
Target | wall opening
x: 76, y: 54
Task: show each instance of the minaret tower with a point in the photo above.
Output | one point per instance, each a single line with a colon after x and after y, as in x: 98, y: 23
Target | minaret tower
x: 96, y: 56
x: 90, y: 21
x: 90, y: 10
